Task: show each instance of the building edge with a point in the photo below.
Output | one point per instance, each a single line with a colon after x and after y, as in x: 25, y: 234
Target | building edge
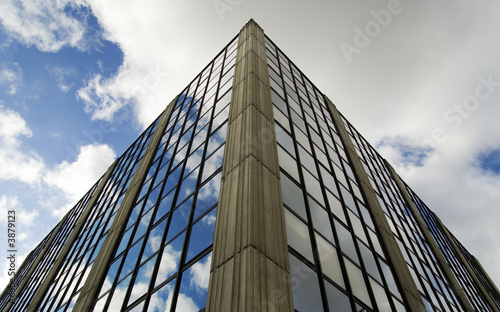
x: 37, y: 299
x: 90, y: 290
x: 469, y: 269
x: 432, y: 243
x: 250, y: 267
x: 408, y: 287
x: 35, y: 264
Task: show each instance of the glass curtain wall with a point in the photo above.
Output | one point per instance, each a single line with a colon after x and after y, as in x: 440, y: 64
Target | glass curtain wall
x: 53, y: 250
x: 162, y: 262
x: 434, y: 288
x: 336, y: 260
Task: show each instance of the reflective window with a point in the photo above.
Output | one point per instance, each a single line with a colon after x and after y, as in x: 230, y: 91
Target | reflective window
x: 166, y: 263
x: 320, y: 193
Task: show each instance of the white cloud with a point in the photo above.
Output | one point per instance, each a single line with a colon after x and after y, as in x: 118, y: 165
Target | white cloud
x: 44, y: 24
x: 169, y: 261
x: 155, y: 67
x: 26, y: 166
x: 75, y: 178
x: 60, y: 75
x: 18, y: 165
x: 201, y: 273
x: 11, y: 75
x: 184, y: 303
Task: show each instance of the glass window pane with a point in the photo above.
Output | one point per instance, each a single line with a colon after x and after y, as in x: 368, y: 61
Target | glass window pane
x: 119, y: 295
x: 194, y: 285
x: 320, y: 220
x: 170, y: 259
x: 307, y: 161
x: 357, y: 282
x: 346, y: 242
x: 288, y: 163
x: 292, y: 196
x: 285, y: 140
x: 337, y: 301
x: 141, y: 283
x: 305, y: 287
x: 369, y: 261
x: 160, y: 300
x: 202, y: 235
x: 380, y: 296
x: 208, y: 195
x: 313, y: 186
x: 298, y: 235
x: 180, y: 219
x: 329, y: 261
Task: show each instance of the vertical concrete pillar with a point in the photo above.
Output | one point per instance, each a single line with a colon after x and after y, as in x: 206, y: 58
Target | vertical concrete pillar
x: 91, y: 288
x: 250, y: 267
x: 432, y: 243
x: 467, y: 266
x: 39, y: 296
x: 409, y: 288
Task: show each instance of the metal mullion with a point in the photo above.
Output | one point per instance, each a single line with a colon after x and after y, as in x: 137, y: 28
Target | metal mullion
x: 371, y: 248
x: 127, y: 248
x: 195, y: 196
x: 135, y: 227
x: 305, y: 196
x: 174, y: 199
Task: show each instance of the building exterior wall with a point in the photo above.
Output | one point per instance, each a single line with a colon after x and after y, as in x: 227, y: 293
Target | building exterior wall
x: 251, y: 192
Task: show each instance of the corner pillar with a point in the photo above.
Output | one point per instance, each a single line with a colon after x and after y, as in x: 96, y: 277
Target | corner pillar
x: 250, y: 268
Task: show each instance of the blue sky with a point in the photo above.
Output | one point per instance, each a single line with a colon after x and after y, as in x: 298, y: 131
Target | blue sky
x: 79, y: 80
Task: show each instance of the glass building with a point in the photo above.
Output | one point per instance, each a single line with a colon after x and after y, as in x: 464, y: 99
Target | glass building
x: 250, y: 192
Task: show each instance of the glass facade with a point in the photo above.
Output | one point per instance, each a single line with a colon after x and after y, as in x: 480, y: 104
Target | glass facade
x: 426, y: 271
x: 336, y: 258
x: 53, y: 250
x: 161, y: 259
x: 458, y: 268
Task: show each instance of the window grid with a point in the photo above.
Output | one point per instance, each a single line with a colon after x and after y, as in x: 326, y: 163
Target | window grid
x: 21, y: 273
x: 64, y: 290
x: 307, y: 140
x: 43, y: 267
x: 431, y: 282
x: 479, y: 272
x: 459, y: 270
x: 161, y: 247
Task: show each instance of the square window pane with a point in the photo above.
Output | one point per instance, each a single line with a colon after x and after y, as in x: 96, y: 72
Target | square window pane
x: 305, y: 287
x: 329, y: 261
x: 337, y: 301
x: 292, y: 196
x: 298, y: 235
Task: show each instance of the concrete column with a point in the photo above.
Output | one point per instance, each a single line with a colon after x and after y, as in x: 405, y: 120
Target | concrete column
x: 40, y: 294
x: 409, y: 288
x: 432, y: 243
x: 250, y: 268
x: 467, y: 266
x: 91, y: 288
